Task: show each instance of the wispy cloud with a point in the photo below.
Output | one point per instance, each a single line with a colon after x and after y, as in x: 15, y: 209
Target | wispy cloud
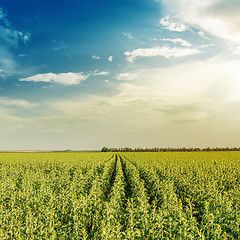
x: 128, y: 35
x: 1, y: 73
x: 69, y: 78
x: 206, y: 45
x: 126, y: 76
x: 164, y: 51
x: 6, y: 101
x: 7, y: 62
x: 202, y: 35
x: 219, y: 18
x: 21, y: 55
x: 10, y: 38
x: 234, y: 50
x: 9, y: 34
x: 103, y: 73
x: 57, y: 46
x: 95, y: 57
x: 168, y: 23
x: 182, y: 42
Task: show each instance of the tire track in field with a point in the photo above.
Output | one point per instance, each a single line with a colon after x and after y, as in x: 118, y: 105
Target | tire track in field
x: 112, y: 179
x: 114, y: 212
x: 146, y: 184
x: 184, y: 195
x: 195, y: 206
x: 138, y: 214
x: 128, y: 190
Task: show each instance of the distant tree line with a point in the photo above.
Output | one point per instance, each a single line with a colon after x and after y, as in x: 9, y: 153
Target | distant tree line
x: 182, y: 149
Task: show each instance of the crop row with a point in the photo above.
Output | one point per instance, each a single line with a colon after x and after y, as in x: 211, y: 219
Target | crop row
x: 203, y: 192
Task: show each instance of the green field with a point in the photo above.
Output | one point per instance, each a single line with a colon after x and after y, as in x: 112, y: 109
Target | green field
x: 120, y: 195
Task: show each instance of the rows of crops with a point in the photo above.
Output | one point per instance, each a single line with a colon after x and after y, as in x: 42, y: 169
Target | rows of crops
x: 120, y: 196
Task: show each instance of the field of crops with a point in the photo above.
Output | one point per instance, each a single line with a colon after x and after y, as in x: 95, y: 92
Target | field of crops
x: 120, y: 195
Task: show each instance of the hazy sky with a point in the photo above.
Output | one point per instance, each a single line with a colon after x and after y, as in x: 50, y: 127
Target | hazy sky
x: 139, y: 73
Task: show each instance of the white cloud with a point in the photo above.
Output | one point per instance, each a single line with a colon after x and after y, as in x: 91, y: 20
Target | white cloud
x: 69, y: 78
x: 2, y: 73
x: 25, y: 37
x: 205, y: 45
x: 128, y: 35
x: 184, y: 43
x: 95, y: 57
x: 202, y: 35
x: 110, y: 59
x: 159, y: 51
x: 5, y: 101
x: 126, y: 76
x: 103, y: 73
x: 168, y: 23
x: 217, y: 17
x: 106, y: 81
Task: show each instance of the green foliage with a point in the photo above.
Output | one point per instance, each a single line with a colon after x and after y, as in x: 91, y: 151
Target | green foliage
x: 69, y: 195
x: 181, y: 149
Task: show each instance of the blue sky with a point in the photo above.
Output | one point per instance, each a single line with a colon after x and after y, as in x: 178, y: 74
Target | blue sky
x: 138, y: 73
